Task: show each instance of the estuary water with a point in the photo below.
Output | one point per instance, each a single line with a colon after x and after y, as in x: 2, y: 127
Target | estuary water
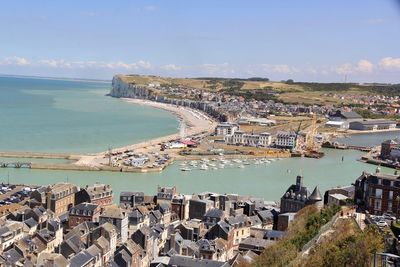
x: 73, y: 116
x: 46, y: 115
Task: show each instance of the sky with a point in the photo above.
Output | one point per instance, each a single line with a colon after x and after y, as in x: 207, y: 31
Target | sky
x: 310, y: 40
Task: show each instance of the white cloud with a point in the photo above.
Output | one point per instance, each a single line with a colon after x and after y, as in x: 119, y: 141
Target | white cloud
x: 171, y: 67
x: 389, y: 63
x: 61, y: 63
x: 18, y: 61
x: 364, y: 66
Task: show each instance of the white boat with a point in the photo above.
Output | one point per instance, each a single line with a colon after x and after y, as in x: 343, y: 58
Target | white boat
x: 212, y: 165
x: 203, y: 167
x: 237, y: 160
x: 246, y: 163
x: 183, y: 165
x: 185, y: 169
x: 221, y: 166
x: 257, y: 162
x: 214, y: 168
x: 241, y: 166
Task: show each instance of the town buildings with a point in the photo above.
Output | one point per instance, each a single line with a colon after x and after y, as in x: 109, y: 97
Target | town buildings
x: 59, y: 198
x: 378, y: 193
x: 390, y: 149
x: 99, y: 194
x: 249, y: 139
x: 286, y: 140
x: 372, y: 125
x: 297, y: 196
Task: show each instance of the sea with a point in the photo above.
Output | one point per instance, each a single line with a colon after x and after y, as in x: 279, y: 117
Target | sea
x: 77, y: 116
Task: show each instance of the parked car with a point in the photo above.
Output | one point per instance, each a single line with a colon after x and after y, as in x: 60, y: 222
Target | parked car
x: 389, y: 217
x: 382, y: 224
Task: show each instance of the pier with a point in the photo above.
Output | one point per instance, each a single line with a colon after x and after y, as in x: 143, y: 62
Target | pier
x: 16, y: 165
x: 343, y: 146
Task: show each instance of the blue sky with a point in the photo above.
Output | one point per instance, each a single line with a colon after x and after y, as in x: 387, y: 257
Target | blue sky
x: 309, y: 40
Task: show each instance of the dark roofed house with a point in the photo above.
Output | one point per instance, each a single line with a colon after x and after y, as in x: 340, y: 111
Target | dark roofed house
x: 298, y: 196
x: 100, y: 194
x: 131, y: 199
x: 83, y: 212
x: 213, y: 216
x: 346, y: 116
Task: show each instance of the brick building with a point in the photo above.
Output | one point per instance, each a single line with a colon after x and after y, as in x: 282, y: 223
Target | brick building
x: 378, y: 192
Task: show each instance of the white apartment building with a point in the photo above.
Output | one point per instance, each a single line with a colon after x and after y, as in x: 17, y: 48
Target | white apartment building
x: 242, y: 138
x: 286, y: 140
x: 226, y: 129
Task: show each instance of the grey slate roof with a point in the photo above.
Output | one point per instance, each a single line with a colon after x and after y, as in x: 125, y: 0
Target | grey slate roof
x: 315, y: 195
x: 214, y: 213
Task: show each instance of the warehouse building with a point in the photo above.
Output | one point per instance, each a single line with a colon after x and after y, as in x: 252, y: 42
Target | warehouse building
x: 372, y: 125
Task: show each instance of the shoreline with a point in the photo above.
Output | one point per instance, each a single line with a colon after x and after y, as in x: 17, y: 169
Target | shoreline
x: 197, y: 123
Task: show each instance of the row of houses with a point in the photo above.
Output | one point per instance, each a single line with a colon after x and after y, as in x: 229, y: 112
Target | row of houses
x: 233, y: 135
x: 64, y: 225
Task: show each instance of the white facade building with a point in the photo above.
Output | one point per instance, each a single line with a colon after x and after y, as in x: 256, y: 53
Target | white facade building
x: 242, y: 138
x: 286, y: 140
x: 226, y: 129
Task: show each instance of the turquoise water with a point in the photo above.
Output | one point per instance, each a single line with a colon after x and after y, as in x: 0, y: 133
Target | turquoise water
x: 62, y: 116
x: 73, y: 116
x: 268, y: 181
x: 369, y: 139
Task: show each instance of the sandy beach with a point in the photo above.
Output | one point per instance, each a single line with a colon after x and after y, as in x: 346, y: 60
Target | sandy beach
x: 196, y: 123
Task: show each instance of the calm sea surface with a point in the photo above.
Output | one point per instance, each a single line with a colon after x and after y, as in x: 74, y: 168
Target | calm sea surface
x: 73, y: 116
x: 44, y: 115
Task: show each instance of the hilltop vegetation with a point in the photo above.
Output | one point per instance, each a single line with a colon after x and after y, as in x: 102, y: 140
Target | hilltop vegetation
x: 346, y: 245
x: 261, y: 88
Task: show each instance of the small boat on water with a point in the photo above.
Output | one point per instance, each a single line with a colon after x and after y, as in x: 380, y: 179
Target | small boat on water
x: 237, y: 160
x: 214, y: 168
x: 221, y: 166
x: 246, y: 163
x: 185, y: 169
x: 241, y: 166
x: 203, y: 167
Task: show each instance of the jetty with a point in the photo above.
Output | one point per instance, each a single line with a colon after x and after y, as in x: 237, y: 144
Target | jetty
x: 16, y: 165
x: 336, y: 145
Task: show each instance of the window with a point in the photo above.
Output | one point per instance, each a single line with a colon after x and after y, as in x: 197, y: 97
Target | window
x: 389, y: 209
x: 390, y: 194
x: 378, y: 203
x: 378, y: 193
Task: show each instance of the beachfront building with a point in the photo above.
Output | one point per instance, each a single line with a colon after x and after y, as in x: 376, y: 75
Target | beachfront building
x: 249, y: 139
x: 226, y: 129
x: 286, y: 140
x: 372, y: 125
x: 378, y: 192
